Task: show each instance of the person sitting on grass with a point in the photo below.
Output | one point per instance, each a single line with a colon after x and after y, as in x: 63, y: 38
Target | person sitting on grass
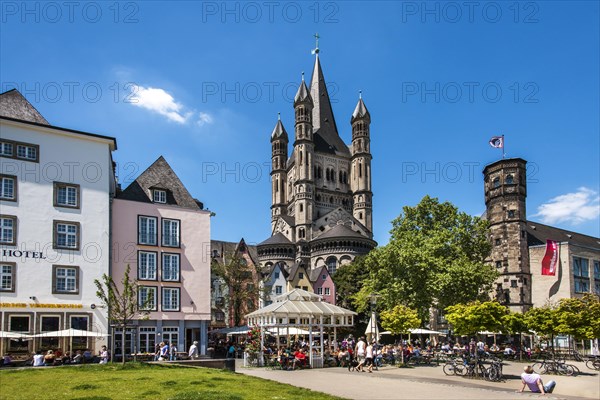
x: 49, y: 358
x: 532, y: 380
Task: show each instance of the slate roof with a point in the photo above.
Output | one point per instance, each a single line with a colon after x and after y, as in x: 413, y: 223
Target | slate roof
x: 316, y: 273
x: 360, y: 111
x: 159, y: 175
x: 14, y: 105
x: 229, y: 248
x: 537, y: 234
x: 278, y: 238
x: 294, y: 269
x: 302, y: 94
x: 338, y: 232
x: 279, y: 132
x: 326, y: 137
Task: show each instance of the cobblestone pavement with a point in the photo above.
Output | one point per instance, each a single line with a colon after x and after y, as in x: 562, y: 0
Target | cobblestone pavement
x: 430, y: 383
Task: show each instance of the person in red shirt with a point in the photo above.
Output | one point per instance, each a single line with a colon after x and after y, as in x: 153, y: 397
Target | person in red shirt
x: 299, y: 358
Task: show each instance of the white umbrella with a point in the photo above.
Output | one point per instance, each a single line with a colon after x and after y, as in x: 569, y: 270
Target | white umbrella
x: 71, y: 333
x: 14, y: 335
x: 422, y: 331
x: 372, y: 328
x: 292, y: 331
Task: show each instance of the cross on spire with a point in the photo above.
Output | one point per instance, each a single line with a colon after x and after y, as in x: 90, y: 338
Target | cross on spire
x: 316, y: 50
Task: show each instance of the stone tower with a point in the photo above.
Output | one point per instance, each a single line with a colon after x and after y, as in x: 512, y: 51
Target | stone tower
x: 505, y: 186
x: 360, y: 172
x: 279, y: 155
x: 321, y: 194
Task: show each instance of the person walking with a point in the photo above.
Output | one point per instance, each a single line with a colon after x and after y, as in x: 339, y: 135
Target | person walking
x: 534, y: 382
x: 360, y: 352
x: 193, y: 351
x: 369, y: 357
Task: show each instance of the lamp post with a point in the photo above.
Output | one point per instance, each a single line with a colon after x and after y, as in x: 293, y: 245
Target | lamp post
x: 373, y: 297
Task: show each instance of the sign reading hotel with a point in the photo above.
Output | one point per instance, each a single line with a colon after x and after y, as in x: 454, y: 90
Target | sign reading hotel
x: 23, y: 253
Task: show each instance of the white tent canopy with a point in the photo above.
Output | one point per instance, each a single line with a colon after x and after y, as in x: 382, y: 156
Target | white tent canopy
x: 418, y: 331
x: 71, y: 333
x: 301, y: 309
x: 14, y: 335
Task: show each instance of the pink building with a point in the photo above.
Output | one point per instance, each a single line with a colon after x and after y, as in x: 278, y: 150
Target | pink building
x: 323, y: 284
x: 163, y: 234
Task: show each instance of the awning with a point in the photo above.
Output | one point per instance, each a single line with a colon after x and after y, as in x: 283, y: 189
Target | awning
x: 71, y: 333
x: 14, y: 335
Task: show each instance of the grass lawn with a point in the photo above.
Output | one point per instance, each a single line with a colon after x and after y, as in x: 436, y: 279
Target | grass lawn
x: 142, y: 381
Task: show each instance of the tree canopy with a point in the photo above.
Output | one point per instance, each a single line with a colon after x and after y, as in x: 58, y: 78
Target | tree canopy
x: 468, y: 319
x: 399, y: 319
x: 435, y: 257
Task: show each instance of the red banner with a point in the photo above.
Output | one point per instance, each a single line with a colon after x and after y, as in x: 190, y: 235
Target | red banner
x: 550, y: 260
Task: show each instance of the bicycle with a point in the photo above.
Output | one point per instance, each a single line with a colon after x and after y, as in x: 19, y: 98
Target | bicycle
x: 454, y: 367
x: 494, y: 372
x: 593, y: 363
x: 475, y: 369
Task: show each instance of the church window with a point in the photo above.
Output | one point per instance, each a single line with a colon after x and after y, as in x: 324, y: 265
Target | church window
x: 301, y: 157
x: 511, y: 213
x: 509, y: 180
x: 327, y: 174
x: 301, y: 208
x: 359, y: 215
x: 360, y: 170
x: 331, y: 265
x: 320, y: 171
x: 496, y: 182
x: 331, y: 200
x: 332, y: 175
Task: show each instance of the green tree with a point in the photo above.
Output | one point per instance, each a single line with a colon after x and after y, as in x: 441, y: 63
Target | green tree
x: 579, y: 317
x: 399, y: 320
x: 435, y: 258
x: 350, y: 279
x: 240, y: 279
x: 544, y: 321
x: 468, y: 319
x: 122, y: 302
x: 514, y: 323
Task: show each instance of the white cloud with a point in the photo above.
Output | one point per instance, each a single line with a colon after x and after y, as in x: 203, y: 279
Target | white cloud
x: 159, y: 101
x: 575, y: 208
x: 204, y: 118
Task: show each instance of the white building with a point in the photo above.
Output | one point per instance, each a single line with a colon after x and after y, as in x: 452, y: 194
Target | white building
x: 55, y: 199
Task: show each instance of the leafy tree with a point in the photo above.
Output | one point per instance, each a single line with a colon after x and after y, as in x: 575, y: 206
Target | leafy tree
x: 122, y: 302
x: 468, y: 319
x: 399, y: 320
x: 349, y: 280
x: 579, y: 317
x: 514, y: 323
x: 543, y: 321
x: 240, y: 279
x: 435, y: 258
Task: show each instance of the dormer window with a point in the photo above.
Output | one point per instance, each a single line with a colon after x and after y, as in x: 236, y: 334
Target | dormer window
x: 160, y: 196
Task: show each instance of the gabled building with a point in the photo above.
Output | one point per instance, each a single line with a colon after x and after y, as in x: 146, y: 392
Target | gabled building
x: 274, y: 283
x: 298, y: 278
x: 322, y: 284
x: 56, y: 186
x: 321, y: 208
x: 163, y: 234
x: 239, y: 292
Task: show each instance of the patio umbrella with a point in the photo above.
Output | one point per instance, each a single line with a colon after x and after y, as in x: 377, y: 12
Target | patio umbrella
x: 14, y: 335
x: 372, y: 329
x: 71, y: 333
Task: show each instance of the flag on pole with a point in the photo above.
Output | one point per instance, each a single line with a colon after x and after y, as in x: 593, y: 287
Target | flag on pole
x: 550, y: 259
x: 497, y: 142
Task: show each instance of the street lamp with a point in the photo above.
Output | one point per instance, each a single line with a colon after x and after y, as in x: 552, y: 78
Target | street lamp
x: 373, y: 297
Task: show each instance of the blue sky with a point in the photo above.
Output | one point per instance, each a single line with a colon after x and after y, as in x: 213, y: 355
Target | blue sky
x: 201, y: 83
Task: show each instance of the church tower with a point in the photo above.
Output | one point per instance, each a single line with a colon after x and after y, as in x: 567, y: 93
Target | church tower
x: 505, y: 194
x: 360, y: 173
x: 279, y: 156
x: 321, y: 194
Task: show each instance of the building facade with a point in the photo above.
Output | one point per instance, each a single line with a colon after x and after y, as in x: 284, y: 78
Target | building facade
x: 519, y: 245
x: 56, y: 190
x: 163, y: 234
x: 321, y: 209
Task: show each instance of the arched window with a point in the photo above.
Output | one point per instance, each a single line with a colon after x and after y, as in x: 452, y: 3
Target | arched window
x: 509, y: 180
x: 327, y: 174
x: 360, y: 170
x: 331, y: 265
x: 320, y: 172
x: 496, y: 182
x: 301, y: 208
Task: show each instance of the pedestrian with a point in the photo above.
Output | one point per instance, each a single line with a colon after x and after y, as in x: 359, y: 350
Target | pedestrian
x: 193, y: 352
x: 164, y: 351
x: 532, y: 380
x: 360, y: 351
x: 369, y: 357
x: 173, y: 352
x: 38, y: 359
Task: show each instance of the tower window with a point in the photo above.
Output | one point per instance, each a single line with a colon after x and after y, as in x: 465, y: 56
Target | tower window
x: 359, y: 215
x: 301, y: 208
x: 513, y: 283
x: 496, y: 182
x: 497, y: 241
x: 509, y: 180
x: 511, y: 213
x: 498, y: 264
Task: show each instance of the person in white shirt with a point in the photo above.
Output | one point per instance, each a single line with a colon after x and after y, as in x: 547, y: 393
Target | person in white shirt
x: 38, y: 359
x: 369, y: 357
x: 360, y: 350
x: 193, y: 352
